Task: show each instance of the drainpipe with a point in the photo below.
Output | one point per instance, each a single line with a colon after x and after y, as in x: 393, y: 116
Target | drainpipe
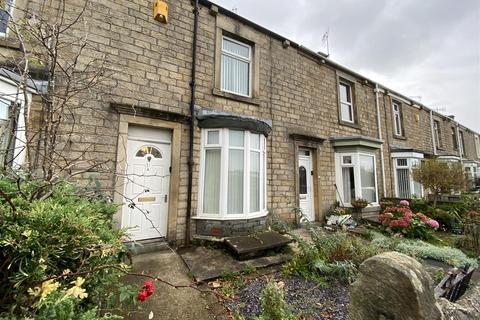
x: 192, y: 123
x: 434, y: 143
x: 460, y: 145
x: 382, y: 161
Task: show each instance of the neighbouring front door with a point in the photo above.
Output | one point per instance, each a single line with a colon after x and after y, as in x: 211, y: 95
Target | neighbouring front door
x: 147, y: 183
x: 305, y: 184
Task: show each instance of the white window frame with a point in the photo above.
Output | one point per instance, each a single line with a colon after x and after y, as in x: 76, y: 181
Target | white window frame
x: 413, y: 159
x: 224, y: 146
x: 349, y: 103
x: 9, y: 92
x: 235, y: 56
x: 397, y: 114
x: 355, y: 156
x: 10, y: 13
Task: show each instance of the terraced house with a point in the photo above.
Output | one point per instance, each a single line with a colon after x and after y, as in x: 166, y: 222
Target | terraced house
x: 207, y: 121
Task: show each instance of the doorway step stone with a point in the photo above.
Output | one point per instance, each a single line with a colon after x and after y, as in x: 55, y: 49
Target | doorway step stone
x: 147, y: 246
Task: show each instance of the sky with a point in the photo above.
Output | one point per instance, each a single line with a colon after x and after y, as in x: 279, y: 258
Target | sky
x: 425, y: 49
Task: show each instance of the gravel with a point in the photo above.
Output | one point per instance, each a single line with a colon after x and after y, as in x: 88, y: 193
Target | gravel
x: 305, y: 297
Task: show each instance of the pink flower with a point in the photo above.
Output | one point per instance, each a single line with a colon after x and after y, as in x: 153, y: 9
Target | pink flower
x: 432, y: 223
x: 404, y: 203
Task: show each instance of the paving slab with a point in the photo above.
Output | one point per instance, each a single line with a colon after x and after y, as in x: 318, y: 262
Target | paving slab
x: 255, y: 245
x: 167, y: 302
x: 207, y: 263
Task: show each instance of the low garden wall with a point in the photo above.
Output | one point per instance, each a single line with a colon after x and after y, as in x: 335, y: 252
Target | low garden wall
x: 229, y: 228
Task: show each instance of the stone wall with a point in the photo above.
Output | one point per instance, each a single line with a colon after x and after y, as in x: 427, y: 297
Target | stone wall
x: 149, y: 66
x: 229, y: 228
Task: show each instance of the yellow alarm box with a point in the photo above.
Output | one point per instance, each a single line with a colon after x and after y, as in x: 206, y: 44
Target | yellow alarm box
x: 160, y: 11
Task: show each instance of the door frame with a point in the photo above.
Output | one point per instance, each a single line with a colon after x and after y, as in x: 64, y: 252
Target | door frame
x: 119, y: 183
x: 310, y: 176
x: 314, y: 149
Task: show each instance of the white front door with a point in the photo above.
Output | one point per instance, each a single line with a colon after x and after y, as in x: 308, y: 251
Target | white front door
x: 305, y: 184
x: 147, y: 183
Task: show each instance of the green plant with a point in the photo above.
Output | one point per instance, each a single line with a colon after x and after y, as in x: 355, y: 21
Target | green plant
x: 330, y: 256
x: 423, y: 250
x: 276, y: 223
x: 273, y: 303
x: 47, y: 245
x: 401, y: 220
x: 249, y: 269
x: 229, y: 275
x: 360, y: 203
x: 227, y: 290
x: 439, y: 176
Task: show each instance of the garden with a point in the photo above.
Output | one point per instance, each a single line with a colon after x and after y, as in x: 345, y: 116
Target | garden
x: 315, y: 283
x: 60, y: 257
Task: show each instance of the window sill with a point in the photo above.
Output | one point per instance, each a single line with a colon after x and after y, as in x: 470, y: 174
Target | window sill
x: 399, y: 137
x: 7, y: 42
x: 349, y: 124
x: 235, y: 217
x: 236, y: 97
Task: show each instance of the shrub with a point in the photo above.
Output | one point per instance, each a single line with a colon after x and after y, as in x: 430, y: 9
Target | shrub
x: 335, y: 256
x: 421, y: 249
x: 58, y: 255
x: 440, y: 176
x: 401, y: 220
x: 273, y: 303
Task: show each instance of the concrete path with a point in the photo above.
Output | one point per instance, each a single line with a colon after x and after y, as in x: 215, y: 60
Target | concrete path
x: 169, y: 303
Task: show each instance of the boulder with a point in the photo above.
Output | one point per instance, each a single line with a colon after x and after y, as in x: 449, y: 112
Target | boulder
x: 393, y: 286
x: 466, y: 308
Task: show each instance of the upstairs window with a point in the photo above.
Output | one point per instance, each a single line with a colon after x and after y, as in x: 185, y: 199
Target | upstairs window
x: 437, y: 134
x: 462, y: 143
x: 346, y: 102
x: 5, y: 14
x: 397, y: 118
x: 454, y: 138
x: 236, y: 60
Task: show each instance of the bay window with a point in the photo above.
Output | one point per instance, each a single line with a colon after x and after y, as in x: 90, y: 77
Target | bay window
x: 406, y: 187
x: 356, y: 177
x: 232, y: 174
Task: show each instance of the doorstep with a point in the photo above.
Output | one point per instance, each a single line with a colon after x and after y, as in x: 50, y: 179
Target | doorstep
x: 147, y: 246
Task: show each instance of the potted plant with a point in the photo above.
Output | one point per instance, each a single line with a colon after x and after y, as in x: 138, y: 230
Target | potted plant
x: 358, y: 205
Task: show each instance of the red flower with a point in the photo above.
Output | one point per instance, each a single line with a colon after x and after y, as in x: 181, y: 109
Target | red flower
x: 148, y: 286
x: 143, y: 295
x: 146, y: 291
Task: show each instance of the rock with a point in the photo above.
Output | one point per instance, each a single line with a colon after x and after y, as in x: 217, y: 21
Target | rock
x: 393, y: 286
x: 466, y: 308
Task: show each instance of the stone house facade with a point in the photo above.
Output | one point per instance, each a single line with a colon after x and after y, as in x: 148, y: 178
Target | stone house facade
x: 277, y: 127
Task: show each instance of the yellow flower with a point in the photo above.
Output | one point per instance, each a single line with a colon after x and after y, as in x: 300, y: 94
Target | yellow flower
x: 78, y: 282
x: 47, y: 287
x: 77, y: 291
